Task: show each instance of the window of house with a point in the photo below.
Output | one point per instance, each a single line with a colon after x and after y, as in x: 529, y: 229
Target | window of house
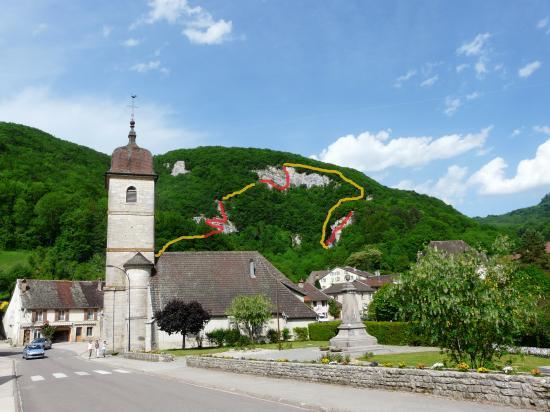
x: 90, y: 314
x: 89, y: 331
x: 131, y: 195
x: 40, y: 316
x: 63, y: 315
x: 36, y: 334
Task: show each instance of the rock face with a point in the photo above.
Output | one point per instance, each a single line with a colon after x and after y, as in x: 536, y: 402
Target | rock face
x: 179, y: 168
x: 296, y: 240
x: 228, y: 227
x: 296, y: 178
x: 338, y: 234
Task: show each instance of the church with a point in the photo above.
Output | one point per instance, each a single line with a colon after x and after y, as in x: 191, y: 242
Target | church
x: 137, y: 284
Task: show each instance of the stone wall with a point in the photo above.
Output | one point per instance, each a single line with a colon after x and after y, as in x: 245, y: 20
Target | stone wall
x: 150, y: 357
x: 514, y: 390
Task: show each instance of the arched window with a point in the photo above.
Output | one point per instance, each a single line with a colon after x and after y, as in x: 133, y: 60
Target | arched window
x: 131, y: 195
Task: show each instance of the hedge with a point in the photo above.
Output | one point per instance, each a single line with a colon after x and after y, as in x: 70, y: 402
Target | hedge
x: 387, y: 333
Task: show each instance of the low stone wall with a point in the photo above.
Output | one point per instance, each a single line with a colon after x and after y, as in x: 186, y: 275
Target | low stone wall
x: 150, y: 357
x: 515, y: 390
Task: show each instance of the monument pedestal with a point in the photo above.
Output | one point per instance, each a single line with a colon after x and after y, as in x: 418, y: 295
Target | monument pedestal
x: 352, y: 336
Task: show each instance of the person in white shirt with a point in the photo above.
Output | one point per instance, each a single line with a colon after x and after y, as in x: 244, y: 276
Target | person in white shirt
x: 104, y: 347
x: 90, y: 348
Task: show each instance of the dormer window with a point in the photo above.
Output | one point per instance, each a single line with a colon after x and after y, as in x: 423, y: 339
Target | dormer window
x: 131, y: 195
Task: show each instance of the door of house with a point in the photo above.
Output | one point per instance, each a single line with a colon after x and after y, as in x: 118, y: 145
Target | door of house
x: 26, y: 336
x: 79, y: 333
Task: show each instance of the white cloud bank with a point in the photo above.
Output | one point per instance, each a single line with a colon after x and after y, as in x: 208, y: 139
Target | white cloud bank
x: 95, y: 122
x: 376, y: 152
x: 198, y: 25
x: 476, y: 47
x: 131, y: 42
x: 430, y: 81
x: 153, y: 65
x: 403, y: 78
x: 529, y: 69
x: 530, y: 173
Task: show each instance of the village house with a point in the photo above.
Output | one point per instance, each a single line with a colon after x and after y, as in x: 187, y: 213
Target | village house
x: 364, y: 294
x: 134, y: 273
x: 74, y: 308
x: 327, y: 278
x: 317, y: 300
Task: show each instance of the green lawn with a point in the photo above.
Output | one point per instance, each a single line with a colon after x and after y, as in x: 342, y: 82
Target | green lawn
x: 285, y: 345
x: 9, y: 259
x: 519, y: 362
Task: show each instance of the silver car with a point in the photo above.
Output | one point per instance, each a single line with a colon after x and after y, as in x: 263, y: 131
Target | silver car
x: 33, y: 351
x: 45, y: 343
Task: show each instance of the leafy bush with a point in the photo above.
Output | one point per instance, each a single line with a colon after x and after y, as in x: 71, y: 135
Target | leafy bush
x: 323, y: 330
x: 286, y: 334
x: 216, y: 337
x: 301, y: 334
x: 232, y: 336
x: 272, y: 335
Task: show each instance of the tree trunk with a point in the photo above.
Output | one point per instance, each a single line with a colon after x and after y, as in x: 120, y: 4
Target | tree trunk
x: 183, y: 341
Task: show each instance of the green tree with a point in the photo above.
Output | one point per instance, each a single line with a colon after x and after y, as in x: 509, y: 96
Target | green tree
x: 48, y: 331
x: 334, y: 308
x: 385, y: 304
x: 181, y: 317
x: 467, y: 304
x: 251, y: 313
x: 367, y: 259
x: 531, y: 246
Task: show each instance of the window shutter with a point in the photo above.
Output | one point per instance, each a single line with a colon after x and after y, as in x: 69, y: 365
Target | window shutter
x: 56, y: 315
x: 95, y: 314
x: 67, y: 314
x: 34, y: 316
x: 44, y: 316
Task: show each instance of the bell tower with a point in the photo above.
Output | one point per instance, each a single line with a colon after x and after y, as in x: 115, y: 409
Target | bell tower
x: 130, y: 183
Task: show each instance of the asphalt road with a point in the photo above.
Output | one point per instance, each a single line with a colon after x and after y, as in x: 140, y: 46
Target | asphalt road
x: 63, y: 382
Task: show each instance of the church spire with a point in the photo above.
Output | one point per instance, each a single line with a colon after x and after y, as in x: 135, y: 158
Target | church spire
x: 132, y: 134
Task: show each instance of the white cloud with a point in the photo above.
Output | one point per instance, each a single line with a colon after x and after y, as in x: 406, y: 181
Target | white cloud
x: 473, y: 96
x: 480, y: 66
x: 461, y: 67
x: 375, y: 152
x: 542, y: 23
x: 451, y: 105
x: 41, y: 28
x: 476, y: 47
x: 96, y: 122
x: 198, y: 25
x: 403, y: 78
x: 542, y: 129
x: 131, y: 42
x: 451, y: 187
x: 106, y: 31
x: 529, y: 69
x: 429, y: 82
x: 530, y: 173
x: 153, y: 65
x: 515, y: 132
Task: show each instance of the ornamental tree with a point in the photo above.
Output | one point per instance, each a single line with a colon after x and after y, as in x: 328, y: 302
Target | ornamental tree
x: 467, y: 304
x: 48, y: 331
x: 181, y: 317
x: 385, y: 304
x: 251, y: 313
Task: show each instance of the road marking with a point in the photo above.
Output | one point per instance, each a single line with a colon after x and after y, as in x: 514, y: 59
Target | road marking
x: 59, y: 375
x: 120, y: 371
x: 82, y: 373
x: 37, y: 378
x: 101, y: 372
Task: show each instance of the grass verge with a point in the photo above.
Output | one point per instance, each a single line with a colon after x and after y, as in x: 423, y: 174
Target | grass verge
x: 285, y: 345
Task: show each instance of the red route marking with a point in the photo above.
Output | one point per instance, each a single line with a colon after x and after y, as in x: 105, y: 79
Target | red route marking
x: 216, y: 223
x: 338, y: 228
x: 275, y: 185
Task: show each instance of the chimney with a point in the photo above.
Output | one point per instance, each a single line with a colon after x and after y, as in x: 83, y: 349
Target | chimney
x: 252, y: 268
x: 301, y: 284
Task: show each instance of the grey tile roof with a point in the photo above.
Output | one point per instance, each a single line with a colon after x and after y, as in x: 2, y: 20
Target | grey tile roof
x: 450, y: 246
x: 316, y: 275
x: 312, y: 293
x: 138, y: 260
x: 337, y: 288
x: 59, y: 294
x: 215, y: 278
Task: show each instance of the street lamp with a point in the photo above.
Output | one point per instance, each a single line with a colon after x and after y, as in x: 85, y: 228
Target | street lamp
x: 129, y: 318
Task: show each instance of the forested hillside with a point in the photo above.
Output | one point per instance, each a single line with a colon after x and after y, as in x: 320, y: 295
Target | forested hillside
x: 534, y: 218
x: 53, y: 203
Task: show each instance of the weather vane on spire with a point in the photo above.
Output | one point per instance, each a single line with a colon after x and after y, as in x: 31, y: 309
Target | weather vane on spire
x: 132, y: 105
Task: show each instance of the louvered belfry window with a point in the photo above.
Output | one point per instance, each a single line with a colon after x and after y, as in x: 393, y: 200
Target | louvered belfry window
x: 131, y: 195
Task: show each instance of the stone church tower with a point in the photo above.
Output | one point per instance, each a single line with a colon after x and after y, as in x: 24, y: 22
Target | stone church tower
x: 130, y: 246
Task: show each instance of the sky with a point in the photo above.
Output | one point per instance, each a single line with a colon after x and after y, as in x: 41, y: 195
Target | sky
x: 447, y: 98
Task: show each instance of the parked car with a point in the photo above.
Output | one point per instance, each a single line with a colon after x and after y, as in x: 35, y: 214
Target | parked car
x: 45, y: 343
x: 33, y: 351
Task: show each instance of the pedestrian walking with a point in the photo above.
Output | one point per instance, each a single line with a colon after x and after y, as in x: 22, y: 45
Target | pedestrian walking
x: 90, y: 348
x: 104, y: 347
x: 96, y: 348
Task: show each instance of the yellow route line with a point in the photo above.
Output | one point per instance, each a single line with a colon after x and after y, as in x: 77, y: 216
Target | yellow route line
x: 296, y: 165
x: 339, y: 203
x: 238, y: 192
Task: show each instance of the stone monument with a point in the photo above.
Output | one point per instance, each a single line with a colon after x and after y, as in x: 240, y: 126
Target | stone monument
x: 352, y: 335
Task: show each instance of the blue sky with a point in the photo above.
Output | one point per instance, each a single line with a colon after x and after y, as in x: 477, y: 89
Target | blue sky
x: 445, y: 98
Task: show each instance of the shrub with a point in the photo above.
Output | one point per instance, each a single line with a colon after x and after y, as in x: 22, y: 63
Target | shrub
x: 387, y: 365
x: 401, y: 365
x: 508, y: 370
x: 437, y: 366
x: 272, y: 336
x: 216, y: 337
x: 482, y: 370
x: 301, y: 334
x: 323, y: 330
x: 232, y: 336
x: 286, y: 334
x: 463, y: 367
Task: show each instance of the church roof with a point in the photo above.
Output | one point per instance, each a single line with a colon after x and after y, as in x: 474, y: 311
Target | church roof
x: 214, y: 279
x: 138, y: 260
x: 132, y: 159
x: 60, y: 294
